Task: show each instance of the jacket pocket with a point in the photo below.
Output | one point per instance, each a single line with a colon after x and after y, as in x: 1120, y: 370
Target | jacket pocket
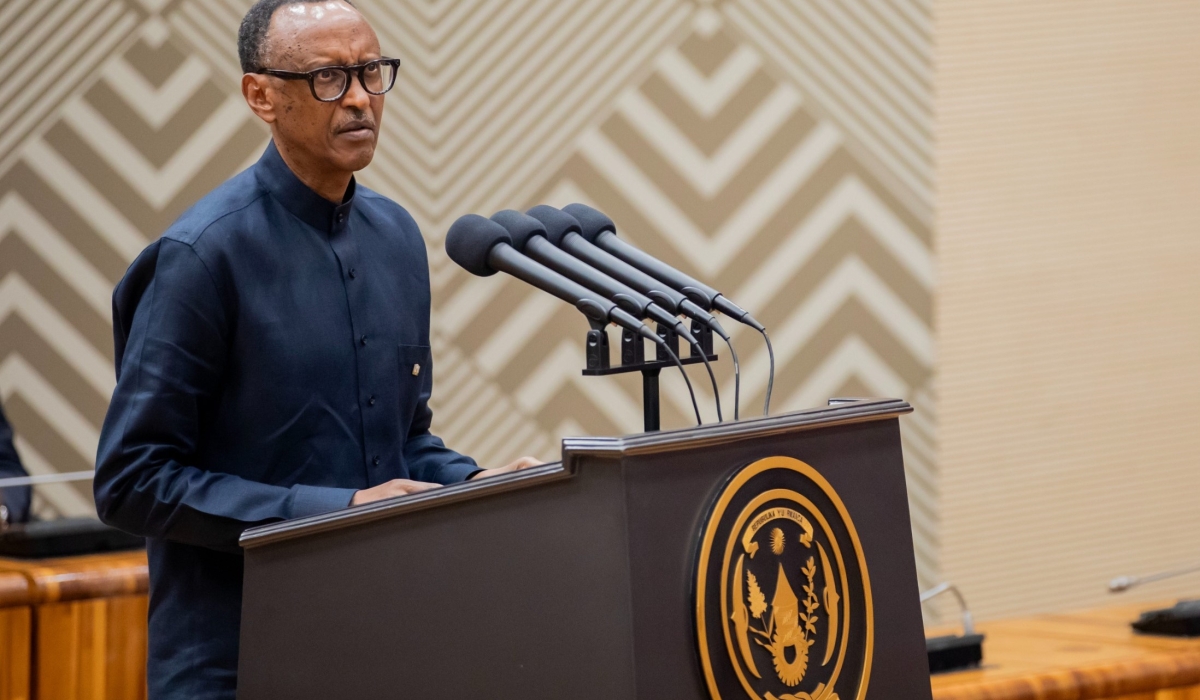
x: 413, y: 366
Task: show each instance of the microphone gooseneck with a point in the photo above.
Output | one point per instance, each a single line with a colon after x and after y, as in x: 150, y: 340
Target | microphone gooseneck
x: 771, y: 376
x: 549, y: 250
x: 712, y: 378
x: 601, y: 231
x: 1121, y: 584
x: 576, y: 243
x: 541, y: 231
x: 686, y: 380
x: 968, y: 622
x: 531, y: 235
x: 737, y: 379
x: 483, y: 247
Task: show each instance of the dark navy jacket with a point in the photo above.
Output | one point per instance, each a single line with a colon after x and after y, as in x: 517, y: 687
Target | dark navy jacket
x: 272, y: 353
x: 15, y: 497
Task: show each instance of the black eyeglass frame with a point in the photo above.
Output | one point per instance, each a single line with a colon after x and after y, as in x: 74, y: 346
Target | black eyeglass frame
x: 350, y: 71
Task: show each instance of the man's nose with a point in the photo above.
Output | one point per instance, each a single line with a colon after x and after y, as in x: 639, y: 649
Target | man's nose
x: 356, y: 96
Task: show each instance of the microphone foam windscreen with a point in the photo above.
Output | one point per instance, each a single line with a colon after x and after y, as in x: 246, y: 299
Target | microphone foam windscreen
x: 469, y: 241
x: 557, y: 223
x: 592, y: 222
x: 519, y: 226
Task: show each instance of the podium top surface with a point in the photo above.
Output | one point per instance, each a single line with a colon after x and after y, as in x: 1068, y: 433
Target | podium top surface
x: 840, y: 412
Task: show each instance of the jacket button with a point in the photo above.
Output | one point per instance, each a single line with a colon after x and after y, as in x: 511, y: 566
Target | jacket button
x: 375, y: 461
x: 363, y: 340
x: 353, y: 274
x: 371, y: 401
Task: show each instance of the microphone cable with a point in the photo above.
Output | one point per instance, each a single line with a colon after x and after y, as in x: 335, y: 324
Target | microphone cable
x: 713, y: 378
x: 737, y: 377
x: 692, y: 392
x: 771, y: 376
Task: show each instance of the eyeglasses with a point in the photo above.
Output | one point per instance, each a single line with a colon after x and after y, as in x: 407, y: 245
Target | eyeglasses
x: 329, y: 84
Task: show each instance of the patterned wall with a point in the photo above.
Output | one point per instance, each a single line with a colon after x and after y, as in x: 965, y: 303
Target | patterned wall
x: 780, y: 149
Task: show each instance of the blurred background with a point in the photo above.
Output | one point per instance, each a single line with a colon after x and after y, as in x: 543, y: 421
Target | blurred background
x: 990, y: 208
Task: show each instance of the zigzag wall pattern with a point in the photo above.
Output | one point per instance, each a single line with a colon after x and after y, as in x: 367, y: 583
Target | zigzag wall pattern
x: 145, y: 135
x: 713, y: 140
x: 869, y: 64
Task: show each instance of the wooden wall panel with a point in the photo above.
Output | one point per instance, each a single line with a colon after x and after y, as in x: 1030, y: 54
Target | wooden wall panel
x: 1068, y: 301
x: 15, y: 640
x: 88, y: 625
x: 92, y: 649
x: 16, y: 635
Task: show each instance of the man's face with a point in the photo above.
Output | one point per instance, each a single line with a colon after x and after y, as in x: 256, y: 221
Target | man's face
x: 340, y: 135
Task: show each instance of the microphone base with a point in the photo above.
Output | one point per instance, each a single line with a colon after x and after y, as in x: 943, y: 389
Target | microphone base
x: 633, y: 359
x: 597, y: 349
x: 1181, y: 620
x: 649, y: 365
x: 954, y: 652
x: 703, y: 335
x: 633, y: 354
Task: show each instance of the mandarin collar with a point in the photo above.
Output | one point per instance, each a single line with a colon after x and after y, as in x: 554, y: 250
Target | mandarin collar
x: 299, y: 198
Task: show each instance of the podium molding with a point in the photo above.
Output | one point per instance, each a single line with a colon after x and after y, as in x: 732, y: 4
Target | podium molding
x: 629, y: 445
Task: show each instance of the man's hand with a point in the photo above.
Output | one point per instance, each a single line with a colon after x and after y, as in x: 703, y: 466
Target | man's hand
x: 518, y: 465
x: 391, y: 489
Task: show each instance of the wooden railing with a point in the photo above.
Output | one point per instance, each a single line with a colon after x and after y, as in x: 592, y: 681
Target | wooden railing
x: 73, y: 628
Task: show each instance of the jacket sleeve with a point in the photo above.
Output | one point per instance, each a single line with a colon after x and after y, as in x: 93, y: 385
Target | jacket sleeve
x: 15, y: 497
x: 168, y: 381
x: 427, y: 457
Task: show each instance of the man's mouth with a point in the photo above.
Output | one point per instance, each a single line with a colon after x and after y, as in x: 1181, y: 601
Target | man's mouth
x: 357, y: 129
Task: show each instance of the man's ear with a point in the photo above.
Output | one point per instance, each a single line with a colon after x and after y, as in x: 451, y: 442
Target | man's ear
x: 258, y: 95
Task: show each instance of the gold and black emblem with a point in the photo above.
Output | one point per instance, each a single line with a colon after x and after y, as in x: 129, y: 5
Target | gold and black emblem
x: 783, y: 601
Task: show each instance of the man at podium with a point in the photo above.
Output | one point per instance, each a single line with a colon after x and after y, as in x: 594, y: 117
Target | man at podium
x: 272, y: 347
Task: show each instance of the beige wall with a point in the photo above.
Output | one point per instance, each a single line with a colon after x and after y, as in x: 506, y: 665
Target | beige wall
x: 1068, y: 237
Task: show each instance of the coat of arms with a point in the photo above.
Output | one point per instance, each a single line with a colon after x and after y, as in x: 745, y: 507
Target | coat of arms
x: 783, y: 601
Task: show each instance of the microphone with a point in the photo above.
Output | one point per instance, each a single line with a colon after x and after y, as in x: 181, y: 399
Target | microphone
x: 600, y: 230
x: 529, y: 237
x: 567, y: 233
x: 953, y: 651
x: 968, y: 622
x: 483, y: 247
x: 1121, y: 584
x: 1179, y: 620
x: 562, y: 228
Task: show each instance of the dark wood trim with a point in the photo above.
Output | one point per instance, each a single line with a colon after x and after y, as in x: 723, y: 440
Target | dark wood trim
x: 15, y: 590
x: 745, y: 429
x: 612, y: 447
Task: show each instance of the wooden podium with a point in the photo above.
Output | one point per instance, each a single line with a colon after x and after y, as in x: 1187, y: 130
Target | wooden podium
x: 768, y: 558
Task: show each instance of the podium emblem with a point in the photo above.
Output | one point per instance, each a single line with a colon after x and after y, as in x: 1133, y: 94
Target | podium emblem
x: 783, y: 600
